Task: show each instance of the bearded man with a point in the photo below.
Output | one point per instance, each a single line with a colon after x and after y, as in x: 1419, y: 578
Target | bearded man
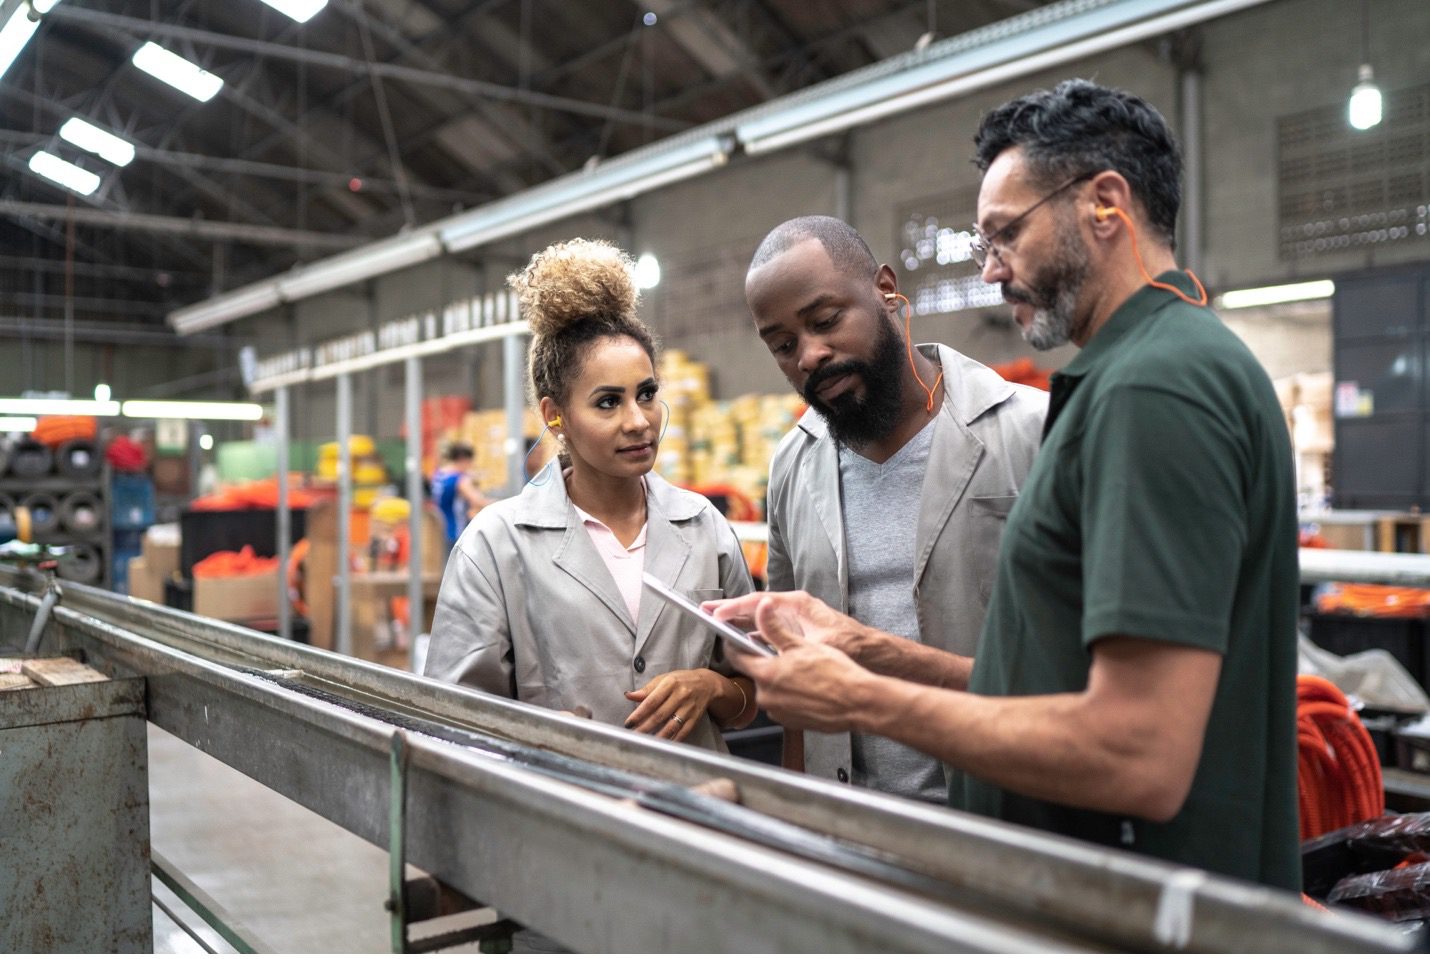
x: 1135, y: 681
x: 888, y: 498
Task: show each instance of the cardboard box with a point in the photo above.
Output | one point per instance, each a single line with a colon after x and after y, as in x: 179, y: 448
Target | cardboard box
x: 160, y: 554
x: 144, y: 582
x: 237, y: 599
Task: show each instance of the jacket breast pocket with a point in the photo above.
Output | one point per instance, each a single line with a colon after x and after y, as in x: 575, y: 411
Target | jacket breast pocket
x: 987, y: 517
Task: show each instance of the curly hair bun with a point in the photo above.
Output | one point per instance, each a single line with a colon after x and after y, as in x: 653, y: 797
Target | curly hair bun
x: 574, y: 281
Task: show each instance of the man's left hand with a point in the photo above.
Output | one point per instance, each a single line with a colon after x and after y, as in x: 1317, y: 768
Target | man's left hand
x: 810, y: 683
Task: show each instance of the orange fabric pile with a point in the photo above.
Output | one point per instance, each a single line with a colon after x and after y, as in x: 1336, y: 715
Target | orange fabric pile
x: 1365, y: 599
x: 1339, y: 781
x: 226, y: 563
x: 58, y: 430
x: 259, y: 494
x: 1024, y: 371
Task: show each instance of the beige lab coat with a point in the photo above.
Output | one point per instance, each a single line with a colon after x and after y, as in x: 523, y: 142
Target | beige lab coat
x: 528, y: 609
x: 984, y: 440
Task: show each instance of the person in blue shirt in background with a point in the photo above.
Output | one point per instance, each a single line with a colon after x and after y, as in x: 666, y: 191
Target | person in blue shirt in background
x: 455, y: 492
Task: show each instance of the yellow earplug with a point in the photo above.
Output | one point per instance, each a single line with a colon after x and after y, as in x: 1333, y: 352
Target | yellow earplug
x: 554, y: 423
x: 1103, y: 212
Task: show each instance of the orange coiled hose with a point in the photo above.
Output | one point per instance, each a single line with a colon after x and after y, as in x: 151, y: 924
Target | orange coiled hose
x: 1338, y: 782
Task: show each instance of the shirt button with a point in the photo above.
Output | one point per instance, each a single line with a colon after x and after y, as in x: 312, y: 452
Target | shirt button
x: 842, y: 775
x: 639, y: 664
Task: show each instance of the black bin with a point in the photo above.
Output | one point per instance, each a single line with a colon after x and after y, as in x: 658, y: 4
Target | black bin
x: 1402, y: 637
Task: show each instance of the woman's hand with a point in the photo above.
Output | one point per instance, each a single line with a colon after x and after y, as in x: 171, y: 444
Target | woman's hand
x: 672, y: 704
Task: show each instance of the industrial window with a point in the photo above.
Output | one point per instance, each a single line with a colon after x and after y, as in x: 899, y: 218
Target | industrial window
x: 1344, y: 189
x: 936, y: 273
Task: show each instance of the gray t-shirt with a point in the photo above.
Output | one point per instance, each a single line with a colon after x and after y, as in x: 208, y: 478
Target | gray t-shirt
x: 881, y: 517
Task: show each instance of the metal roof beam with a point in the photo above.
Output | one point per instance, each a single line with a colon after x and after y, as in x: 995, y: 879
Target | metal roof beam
x: 710, y: 43
x: 143, y: 274
x: 43, y: 328
x: 255, y: 234
x: 338, y: 61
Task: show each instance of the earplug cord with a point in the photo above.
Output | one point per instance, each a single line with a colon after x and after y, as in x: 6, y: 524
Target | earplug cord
x: 1104, y: 211
x: 909, y: 342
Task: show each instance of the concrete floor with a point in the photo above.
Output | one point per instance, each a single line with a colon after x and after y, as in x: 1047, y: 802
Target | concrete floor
x: 297, y: 882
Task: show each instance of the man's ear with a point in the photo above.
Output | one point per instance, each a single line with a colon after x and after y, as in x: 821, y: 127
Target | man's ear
x: 1110, y: 192
x: 887, y: 284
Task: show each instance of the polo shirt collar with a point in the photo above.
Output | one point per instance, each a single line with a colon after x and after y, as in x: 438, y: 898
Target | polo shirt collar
x: 1125, y: 317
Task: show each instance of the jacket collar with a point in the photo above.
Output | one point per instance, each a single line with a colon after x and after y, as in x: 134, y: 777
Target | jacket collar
x: 544, y: 503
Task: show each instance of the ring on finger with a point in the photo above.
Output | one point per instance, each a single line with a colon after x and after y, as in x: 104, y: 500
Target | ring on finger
x: 679, y: 720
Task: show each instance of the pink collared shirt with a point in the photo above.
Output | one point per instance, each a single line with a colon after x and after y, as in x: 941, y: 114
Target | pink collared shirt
x: 626, y: 564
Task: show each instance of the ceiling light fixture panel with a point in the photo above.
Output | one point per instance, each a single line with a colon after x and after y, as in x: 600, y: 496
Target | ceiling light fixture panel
x: 182, y: 75
x: 299, y: 10
x: 101, y: 143
x: 65, y: 173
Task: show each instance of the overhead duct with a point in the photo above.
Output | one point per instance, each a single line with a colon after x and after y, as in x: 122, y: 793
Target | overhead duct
x: 1038, y: 40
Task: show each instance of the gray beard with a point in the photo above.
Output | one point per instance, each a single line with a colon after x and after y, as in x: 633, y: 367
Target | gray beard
x: 1052, y: 327
x: 1056, y: 292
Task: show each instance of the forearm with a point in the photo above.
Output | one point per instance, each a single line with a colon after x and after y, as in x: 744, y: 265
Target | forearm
x: 901, y: 658
x: 1046, y: 747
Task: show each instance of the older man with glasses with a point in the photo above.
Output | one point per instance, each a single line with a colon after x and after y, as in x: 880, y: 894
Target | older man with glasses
x: 1134, y: 684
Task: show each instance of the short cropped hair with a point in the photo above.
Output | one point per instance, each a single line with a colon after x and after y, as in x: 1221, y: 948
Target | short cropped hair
x: 846, y: 248
x: 1080, y: 127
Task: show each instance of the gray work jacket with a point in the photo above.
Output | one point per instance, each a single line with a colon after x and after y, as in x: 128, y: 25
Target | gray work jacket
x: 528, y: 609
x: 985, y: 437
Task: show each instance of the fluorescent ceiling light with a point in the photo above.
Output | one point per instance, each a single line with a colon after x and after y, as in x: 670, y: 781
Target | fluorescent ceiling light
x: 177, y: 72
x: 14, y: 35
x: 17, y: 424
x: 101, y: 143
x: 1063, y: 33
x: 24, y: 406
x: 191, y: 410
x: 65, y: 173
x: 300, y: 10
x: 574, y: 193
x: 365, y: 262
x: 1270, y: 295
x: 245, y: 301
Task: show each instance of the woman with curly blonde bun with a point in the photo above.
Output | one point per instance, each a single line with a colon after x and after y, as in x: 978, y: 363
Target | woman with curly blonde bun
x: 541, y: 600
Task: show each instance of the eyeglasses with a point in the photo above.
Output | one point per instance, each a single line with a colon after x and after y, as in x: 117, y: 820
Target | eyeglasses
x: 982, y: 247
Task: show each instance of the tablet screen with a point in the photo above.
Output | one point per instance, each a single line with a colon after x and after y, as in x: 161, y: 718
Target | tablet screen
x: 725, y: 631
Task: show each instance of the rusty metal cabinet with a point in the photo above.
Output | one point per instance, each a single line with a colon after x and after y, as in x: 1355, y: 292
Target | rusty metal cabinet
x: 74, y: 819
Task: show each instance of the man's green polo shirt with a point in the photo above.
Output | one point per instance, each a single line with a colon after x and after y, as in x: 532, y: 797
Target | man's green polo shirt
x: 1161, y: 506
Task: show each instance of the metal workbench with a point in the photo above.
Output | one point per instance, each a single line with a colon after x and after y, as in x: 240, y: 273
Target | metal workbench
x: 594, y: 836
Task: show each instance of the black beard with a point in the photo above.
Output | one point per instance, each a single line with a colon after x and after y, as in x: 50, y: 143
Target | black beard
x: 856, y: 421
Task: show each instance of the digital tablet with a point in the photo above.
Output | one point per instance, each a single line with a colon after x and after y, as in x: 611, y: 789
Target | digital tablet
x: 724, y: 630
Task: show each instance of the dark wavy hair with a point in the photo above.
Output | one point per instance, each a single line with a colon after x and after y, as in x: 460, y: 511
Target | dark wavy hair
x: 1079, y: 127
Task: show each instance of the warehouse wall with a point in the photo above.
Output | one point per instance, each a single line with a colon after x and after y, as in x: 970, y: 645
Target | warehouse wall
x: 1282, y: 58
x: 131, y: 371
